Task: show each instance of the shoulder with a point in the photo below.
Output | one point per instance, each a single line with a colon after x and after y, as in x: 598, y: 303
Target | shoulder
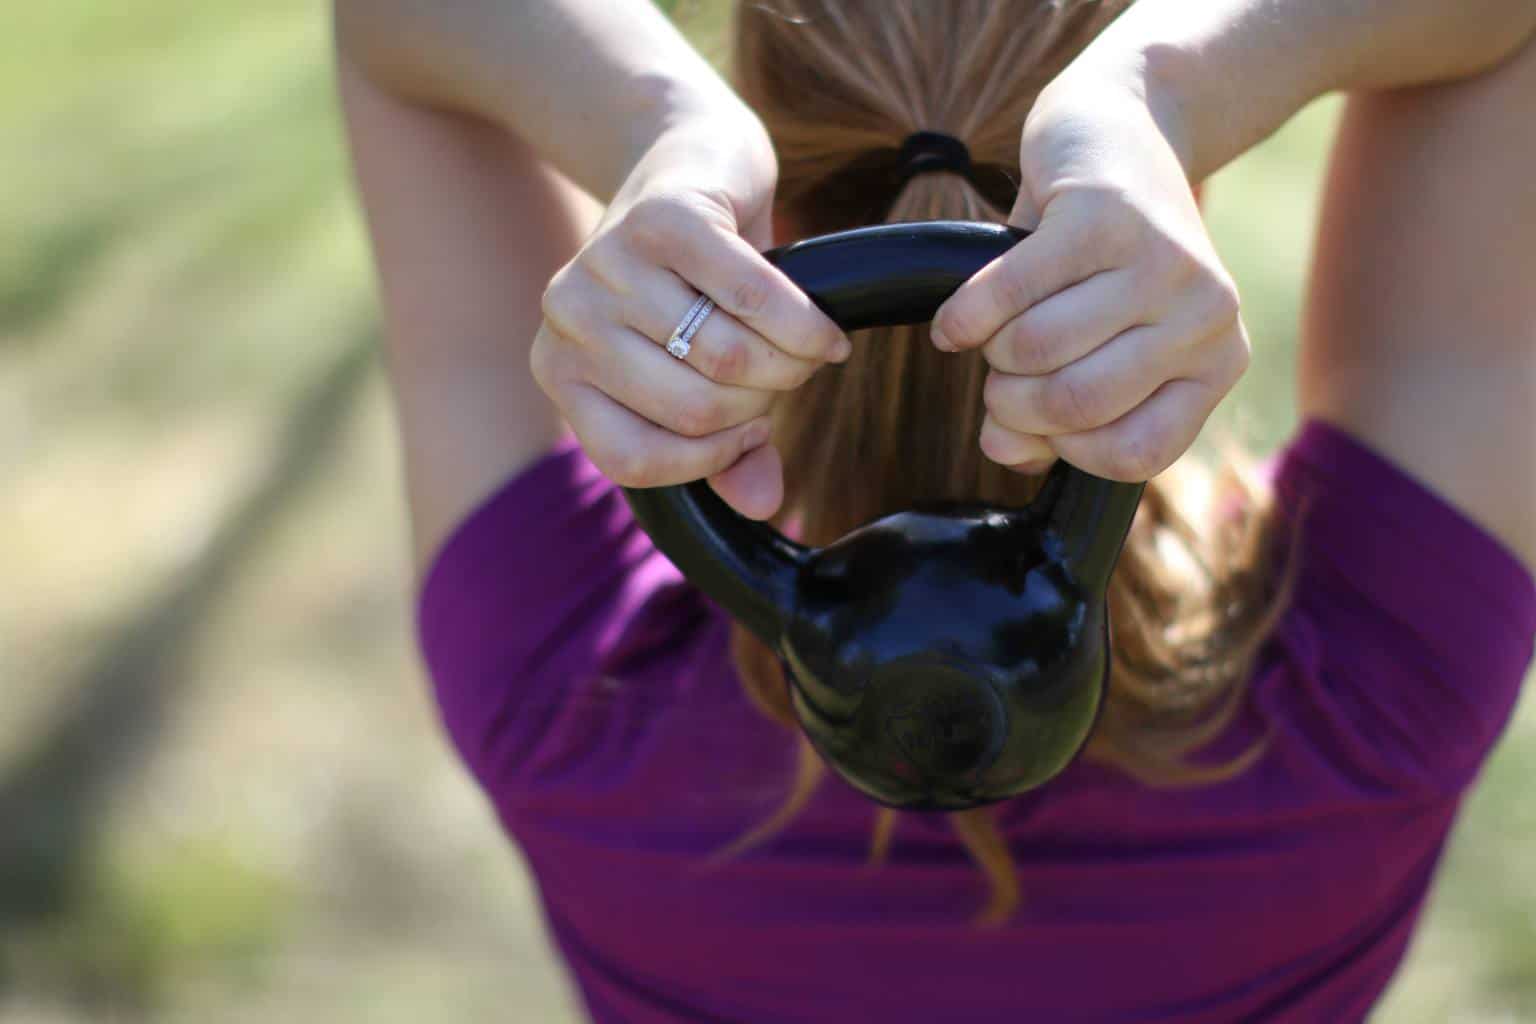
x: 1410, y: 627
x: 547, y: 616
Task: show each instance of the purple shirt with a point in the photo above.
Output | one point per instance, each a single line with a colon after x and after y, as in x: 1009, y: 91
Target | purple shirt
x: 590, y: 690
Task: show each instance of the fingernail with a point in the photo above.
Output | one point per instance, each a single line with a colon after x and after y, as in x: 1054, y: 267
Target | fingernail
x: 843, y: 350
x: 941, y: 341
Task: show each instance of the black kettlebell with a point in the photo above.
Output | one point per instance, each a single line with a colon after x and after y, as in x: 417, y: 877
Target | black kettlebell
x: 942, y: 658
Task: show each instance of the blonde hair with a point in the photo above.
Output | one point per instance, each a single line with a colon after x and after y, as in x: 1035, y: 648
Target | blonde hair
x: 839, y: 84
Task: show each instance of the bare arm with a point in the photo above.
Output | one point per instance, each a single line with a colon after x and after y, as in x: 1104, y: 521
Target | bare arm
x: 590, y: 84
x: 486, y: 134
x: 480, y: 132
x: 1223, y: 75
x: 1420, y: 331
x: 467, y: 226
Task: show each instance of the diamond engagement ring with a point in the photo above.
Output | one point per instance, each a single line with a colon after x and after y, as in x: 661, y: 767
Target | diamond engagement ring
x: 682, y: 338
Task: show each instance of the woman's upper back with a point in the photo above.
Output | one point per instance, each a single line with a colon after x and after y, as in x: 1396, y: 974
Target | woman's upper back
x: 589, y: 689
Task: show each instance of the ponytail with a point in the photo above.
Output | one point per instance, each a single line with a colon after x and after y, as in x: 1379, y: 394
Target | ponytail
x: 906, y: 110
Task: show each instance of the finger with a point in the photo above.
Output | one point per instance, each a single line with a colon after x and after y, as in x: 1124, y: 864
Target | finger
x: 1069, y: 325
x: 1023, y: 452
x: 754, y: 486
x: 634, y: 452
x: 1097, y: 389
x: 716, y: 261
x: 635, y: 372
x: 1059, y: 254
x: 724, y: 349
x: 759, y: 230
x: 1025, y: 212
x: 1148, y: 439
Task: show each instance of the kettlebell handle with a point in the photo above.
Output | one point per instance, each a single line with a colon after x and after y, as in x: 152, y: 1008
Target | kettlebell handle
x: 869, y: 277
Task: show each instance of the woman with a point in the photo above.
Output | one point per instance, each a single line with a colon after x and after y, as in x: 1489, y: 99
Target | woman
x: 1291, y: 726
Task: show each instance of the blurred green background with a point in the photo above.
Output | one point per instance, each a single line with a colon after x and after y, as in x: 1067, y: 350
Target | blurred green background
x: 223, y: 793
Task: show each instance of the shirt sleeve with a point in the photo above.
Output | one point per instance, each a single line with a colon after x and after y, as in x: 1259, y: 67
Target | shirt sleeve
x: 1418, y: 623
x: 538, y: 602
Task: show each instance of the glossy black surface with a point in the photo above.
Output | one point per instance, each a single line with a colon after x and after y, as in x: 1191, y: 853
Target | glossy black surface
x: 940, y: 658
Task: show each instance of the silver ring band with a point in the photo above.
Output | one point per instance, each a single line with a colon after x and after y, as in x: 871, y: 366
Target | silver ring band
x: 682, y: 338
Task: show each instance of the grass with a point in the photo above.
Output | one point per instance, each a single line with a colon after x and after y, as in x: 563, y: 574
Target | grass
x: 201, y: 510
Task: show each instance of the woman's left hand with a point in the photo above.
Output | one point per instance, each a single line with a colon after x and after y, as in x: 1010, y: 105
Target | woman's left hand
x: 1113, y: 331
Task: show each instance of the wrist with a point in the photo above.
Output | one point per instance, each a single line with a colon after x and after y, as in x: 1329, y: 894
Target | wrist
x: 1100, y: 97
x: 718, y: 147
x: 1190, y: 105
x: 1214, y: 80
x: 1186, y: 101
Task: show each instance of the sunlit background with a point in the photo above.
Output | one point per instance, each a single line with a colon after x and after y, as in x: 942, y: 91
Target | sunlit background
x: 223, y: 792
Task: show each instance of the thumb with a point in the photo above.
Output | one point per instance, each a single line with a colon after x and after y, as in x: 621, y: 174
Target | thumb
x: 759, y: 229
x: 1026, y: 212
x: 754, y: 484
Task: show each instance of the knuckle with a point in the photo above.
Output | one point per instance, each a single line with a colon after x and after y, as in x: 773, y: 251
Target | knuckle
x: 1226, y: 301
x: 698, y: 415
x: 1138, y: 455
x: 605, y: 257
x: 724, y: 360
x: 628, y: 465
x: 1174, y: 261
x: 1239, y: 356
x: 553, y: 362
x: 564, y: 305
x: 995, y: 394
x: 653, y: 223
x: 541, y: 361
x: 1016, y: 290
x: 554, y: 293
x: 1178, y: 263
x: 750, y: 296
x: 1029, y: 348
x: 1072, y: 402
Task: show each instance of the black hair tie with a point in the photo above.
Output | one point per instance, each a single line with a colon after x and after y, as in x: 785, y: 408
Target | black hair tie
x: 925, y: 152
x: 862, y: 191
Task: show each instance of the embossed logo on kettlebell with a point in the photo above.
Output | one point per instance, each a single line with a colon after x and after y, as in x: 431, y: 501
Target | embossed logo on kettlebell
x: 940, y: 732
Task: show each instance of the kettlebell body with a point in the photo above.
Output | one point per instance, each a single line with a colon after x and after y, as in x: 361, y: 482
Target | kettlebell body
x: 940, y: 658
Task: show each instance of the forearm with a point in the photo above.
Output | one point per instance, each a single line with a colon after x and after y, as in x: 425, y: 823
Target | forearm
x: 1221, y: 75
x: 590, y: 84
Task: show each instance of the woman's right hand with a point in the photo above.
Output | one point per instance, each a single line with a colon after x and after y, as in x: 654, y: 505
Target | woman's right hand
x: 1115, y: 330
x: 690, y: 219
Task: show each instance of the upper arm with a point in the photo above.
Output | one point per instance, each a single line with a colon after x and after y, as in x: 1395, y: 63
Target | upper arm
x: 468, y: 226
x: 1420, y: 334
